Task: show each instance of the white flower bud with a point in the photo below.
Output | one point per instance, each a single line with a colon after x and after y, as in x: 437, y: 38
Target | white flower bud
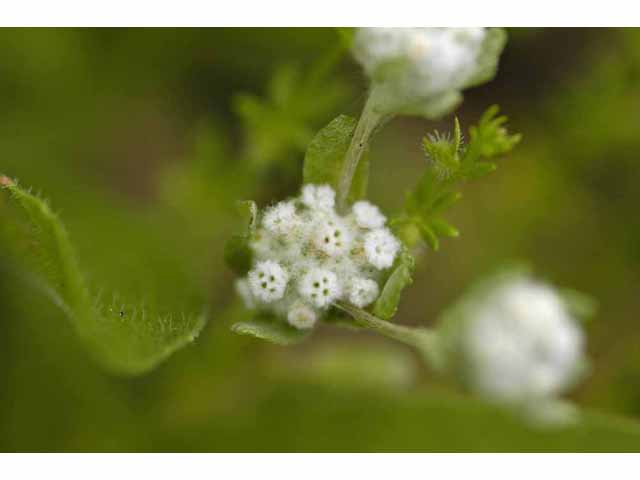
x: 426, y: 60
x: 281, y: 218
x: 381, y: 247
x: 363, y: 291
x: 301, y: 316
x: 368, y: 215
x: 520, y: 343
x: 268, y: 281
x: 332, y: 236
x: 422, y: 70
x: 320, y: 287
x: 320, y: 197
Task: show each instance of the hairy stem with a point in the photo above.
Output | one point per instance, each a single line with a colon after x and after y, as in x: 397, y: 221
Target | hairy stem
x: 423, y: 339
x: 369, y: 120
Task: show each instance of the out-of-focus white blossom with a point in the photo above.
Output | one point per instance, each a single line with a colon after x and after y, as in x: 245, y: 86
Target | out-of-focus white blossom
x: 307, y: 257
x: 422, y: 70
x: 381, y: 247
x: 521, y: 344
x: 368, y: 215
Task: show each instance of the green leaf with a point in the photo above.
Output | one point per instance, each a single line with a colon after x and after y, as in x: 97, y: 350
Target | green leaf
x: 444, y: 201
x: 249, y: 213
x: 429, y: 235
x: 238, y: 254
x: 580, y: 305
x: 443, y: 229
x: 124, y: 339
x: 271, y: 330
x: 280, y: 125
x: 387, y: 303
x: 489, y: 138
x: 325, y: 157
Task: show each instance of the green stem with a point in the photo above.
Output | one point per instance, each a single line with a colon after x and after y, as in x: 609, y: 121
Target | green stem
x: 423, y: 339
x: 369, y: 120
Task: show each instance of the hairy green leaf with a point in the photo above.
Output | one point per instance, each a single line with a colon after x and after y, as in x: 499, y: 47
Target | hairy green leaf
x: 325, y: 157
x: 271, y: 330
x: 125, y: 339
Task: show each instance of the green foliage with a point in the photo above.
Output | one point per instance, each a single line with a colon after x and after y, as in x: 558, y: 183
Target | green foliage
x: 125, y: 339
x: 387, y: 303
x: 326, y: 154
x: 283, y: 122
x: 270, y: 329
x: 450, y: 163
x: 237, y: 252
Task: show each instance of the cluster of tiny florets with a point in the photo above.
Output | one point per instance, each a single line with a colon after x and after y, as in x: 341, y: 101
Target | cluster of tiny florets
x: 307, y: 257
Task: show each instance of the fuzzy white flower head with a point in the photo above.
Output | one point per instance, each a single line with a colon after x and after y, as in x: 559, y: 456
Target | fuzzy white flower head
x: 301, y: 316
x: 522, y: 344
x: 363, y: 291
x: 332, y: 236
x: 409, y: 65
x: 381, y: 248
x: 321, y: 287
x: 281, y: 218
x: 320, y: 197
x: 368, y: 215
x: 268, y: 281
x: 307, y: 256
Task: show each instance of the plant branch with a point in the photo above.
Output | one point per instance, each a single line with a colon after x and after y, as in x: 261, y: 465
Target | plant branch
x: 369, y: 120
x: 423, y: 339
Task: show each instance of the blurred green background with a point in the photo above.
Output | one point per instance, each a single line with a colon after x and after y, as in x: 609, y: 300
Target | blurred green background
x: 144, y: 138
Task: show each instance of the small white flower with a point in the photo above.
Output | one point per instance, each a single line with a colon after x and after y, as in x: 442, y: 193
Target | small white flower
x: 368, y: 215
x: 332, y: 236
x: 521, y: 343
x: 380, y: 248
x: 301, y: 316
x: 281, y: 218
x: 363, y: 291
x: 244, y: 290
x: 320, y: 197
x: 320, y: 287
x: 268, y: 281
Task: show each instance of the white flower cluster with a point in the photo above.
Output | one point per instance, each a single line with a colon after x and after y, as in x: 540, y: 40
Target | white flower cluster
x: 411, y: 64
x: 521, y: 344
x: 307, y: 257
